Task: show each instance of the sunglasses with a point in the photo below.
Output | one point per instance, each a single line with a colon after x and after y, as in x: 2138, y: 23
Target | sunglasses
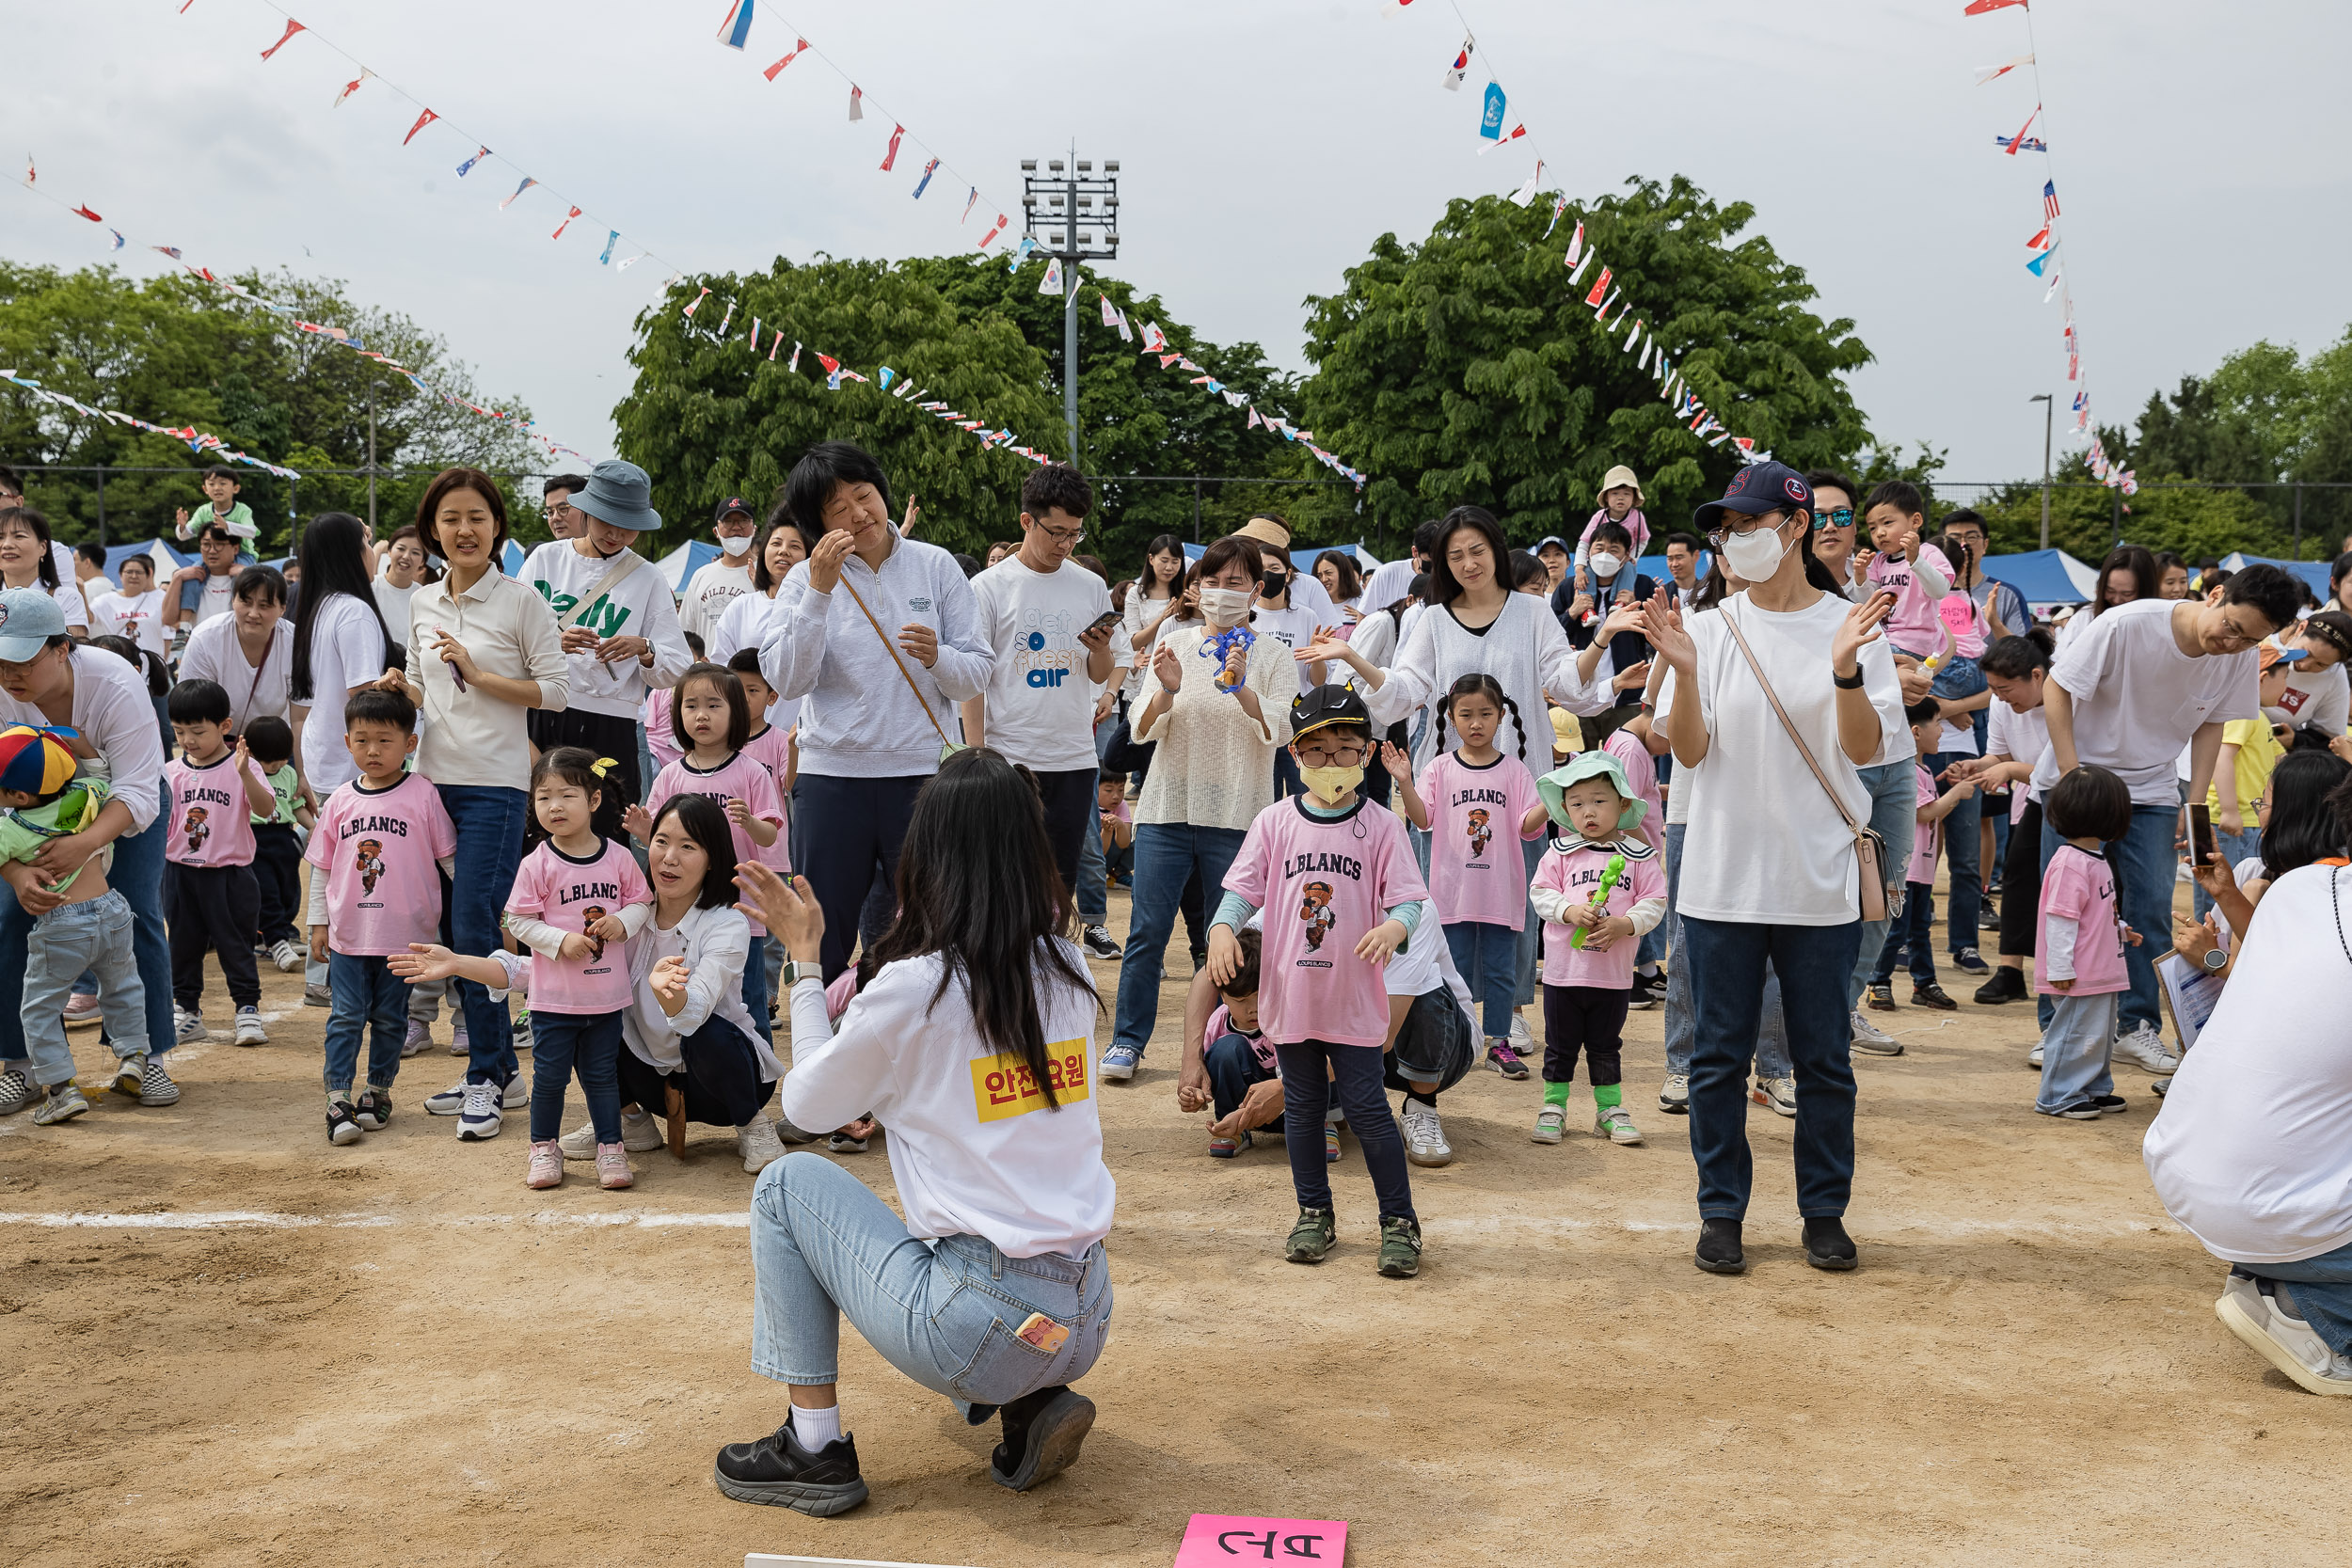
x: 1842, y: 517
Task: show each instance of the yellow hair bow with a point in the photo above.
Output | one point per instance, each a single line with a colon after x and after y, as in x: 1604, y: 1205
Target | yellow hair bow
x: 601, y: 765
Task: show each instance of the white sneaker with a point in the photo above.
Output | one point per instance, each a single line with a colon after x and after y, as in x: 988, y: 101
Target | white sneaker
x: 1522, y: 1042
x: 448, y: 1102
x: 1550, y: 1122
x: 2033, y: 1057
x: 286, y: 955
x: 1870, y: 1038
x: 757, y: 1142
x: 1617, y: 1124
x: 1779, y: 1094
x: 478, y: 1119
x: 2282, y: 1339
x: 249, y: 1030
x: 2145, y: 1046
x: 188, y: 1026
x: 519, y: 1032
x: 640, y: 1134
x: 517, y: 1093
x: 1425, y: 1136
x: 17, y: 1090
x: 1674, y: 1096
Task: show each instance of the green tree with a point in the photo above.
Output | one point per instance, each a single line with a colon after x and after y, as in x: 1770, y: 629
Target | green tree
x: 1463, y: 368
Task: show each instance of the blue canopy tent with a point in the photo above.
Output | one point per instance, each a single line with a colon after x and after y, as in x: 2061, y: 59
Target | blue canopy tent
x: 2313, y: 572
x: 165, y: 559
x: 2044, y: 577
x: 678, y: 567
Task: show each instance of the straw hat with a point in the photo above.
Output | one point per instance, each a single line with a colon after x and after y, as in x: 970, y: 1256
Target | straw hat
x: 1266, y: 530
x: 1614, y: 477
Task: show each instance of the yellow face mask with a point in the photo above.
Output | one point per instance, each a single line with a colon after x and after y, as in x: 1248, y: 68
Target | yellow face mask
x: 1328, y: 784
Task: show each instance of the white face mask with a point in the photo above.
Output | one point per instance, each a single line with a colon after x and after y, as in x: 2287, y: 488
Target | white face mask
x: 735, y: 544
x: 1224, y: 607
x: 1605, y: 565
x: 1754, y: 556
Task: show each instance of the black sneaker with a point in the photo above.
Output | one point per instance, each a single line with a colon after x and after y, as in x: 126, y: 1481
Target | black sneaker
x: 1969, y: 961
x: 1649, y: 991
x: 343, y: 1126
x: 2081, y: 1110
x: 1989, y: 918
x: 2007, y: 985
x: 374, y: 1111
x: 1881, y: 994
x: 2111, y: 1104
x: 1929, y: 994
x: 1099, y: 942
x: 1718, y: 1247
x: 777, y: 1471
x: 1042, y: 1433
x: 1827, y: 1245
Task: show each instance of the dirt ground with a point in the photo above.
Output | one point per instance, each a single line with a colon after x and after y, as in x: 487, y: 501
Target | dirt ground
x: 228, y: 1343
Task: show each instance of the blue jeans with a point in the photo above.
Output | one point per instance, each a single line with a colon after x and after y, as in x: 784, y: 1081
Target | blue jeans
x: 1233, y: 1066
x: 1166, y: 855
x: 61, y: 944
x: 756, y: 998
x: 2077, y: 1046
x: 1726, y: 963
x: 1357, y: 1081
x: 1772, y: 1037
x: 588, y: 1044
x: 1912, y: 935
x: 1894, y: 812
x: 2144, y: 860
x: 2320, y: 1291
x: 137, y: 873
x: 2232, y: 847
x: 1965, y: 902
x: 1488, y: 956
x: 489, y: 824
x: 366, y: 993
x: 1530, y: 932
x: 1093, y: 895
x: 946, y: 1313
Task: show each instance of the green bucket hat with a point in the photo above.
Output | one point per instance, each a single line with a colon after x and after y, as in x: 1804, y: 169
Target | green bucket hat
x: 1595, y: 764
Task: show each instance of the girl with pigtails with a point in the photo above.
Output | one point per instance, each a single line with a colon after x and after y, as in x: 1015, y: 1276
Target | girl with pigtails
x: 1478, y: 804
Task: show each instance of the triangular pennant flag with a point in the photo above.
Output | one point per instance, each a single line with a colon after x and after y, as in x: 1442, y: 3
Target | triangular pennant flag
x: 1511, y: 135
x: 2019, y: 141
x: 2039, y: 263
x: 85, y: 212
x: 1993, y: 72
x: 1457, y: 73
x: 891, y: 156
x: 2041, y: 240
x: 857, y: 105
x: 1600, y: 289
x: 422, y: 120
x: 800, y: 47
x: 1590, y: 257
x: 527, y: 183
x: 696, y: 303
x: 967, y: 206
x: 467, y: 167
x: 989, y: 238
x: 291, y: 28
x: 609, y: 240
x: 920, y: 185
x: 737, y: 26
x: 352, y: 85
x: 119, y: 241
x: 1525, y: 195
x: 625, y: 265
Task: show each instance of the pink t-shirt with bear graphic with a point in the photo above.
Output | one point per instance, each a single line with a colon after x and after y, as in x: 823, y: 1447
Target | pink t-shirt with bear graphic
x: 571, y: 895
x: 1477, y: 872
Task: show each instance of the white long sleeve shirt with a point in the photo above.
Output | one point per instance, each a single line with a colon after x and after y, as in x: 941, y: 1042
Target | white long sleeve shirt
x: 1525, y: 651
x: 640, y: 606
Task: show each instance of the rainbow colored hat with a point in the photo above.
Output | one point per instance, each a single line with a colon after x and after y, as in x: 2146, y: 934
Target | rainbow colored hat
x: 34, y: 761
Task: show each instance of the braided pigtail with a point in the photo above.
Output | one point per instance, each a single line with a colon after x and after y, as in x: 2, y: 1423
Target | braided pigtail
x: 1519, y: 722
x: 1437, y: 743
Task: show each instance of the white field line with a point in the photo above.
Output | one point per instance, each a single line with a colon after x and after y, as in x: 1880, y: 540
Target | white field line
x: 247, y: 1219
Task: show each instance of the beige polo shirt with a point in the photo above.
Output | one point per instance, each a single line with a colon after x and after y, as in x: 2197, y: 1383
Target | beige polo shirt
x: 470, y: 738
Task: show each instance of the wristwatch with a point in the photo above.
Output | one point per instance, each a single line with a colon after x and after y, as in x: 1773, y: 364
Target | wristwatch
x: 2215, y: 960
x: 792, y: 974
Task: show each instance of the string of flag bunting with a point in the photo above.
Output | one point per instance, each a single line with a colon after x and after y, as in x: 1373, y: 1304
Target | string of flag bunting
x: 2046, y: 265
x: 198, y: 440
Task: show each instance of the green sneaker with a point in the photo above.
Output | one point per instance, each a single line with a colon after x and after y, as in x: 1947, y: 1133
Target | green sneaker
x: 1311, y: 1239
x: 1400, y: 1247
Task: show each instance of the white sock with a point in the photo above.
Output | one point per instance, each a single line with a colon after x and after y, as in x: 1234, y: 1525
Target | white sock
x: 816, y: 1428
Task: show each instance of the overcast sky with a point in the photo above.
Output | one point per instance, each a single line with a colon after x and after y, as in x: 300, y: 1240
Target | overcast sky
x: 2198, y: 148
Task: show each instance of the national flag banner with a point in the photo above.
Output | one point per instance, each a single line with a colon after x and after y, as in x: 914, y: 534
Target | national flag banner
x: 467, y: 167
x: 920, y: 185
x: 832, y: 365
x: 31, y: 173
x: 170, y: 250
x: 1603, y: 313
x: 1168, y: 360
x: 630, y: 261
x: 1995, y: 73
x: 422, y: 120
x: 1490, y: 123
x: 832, y: 379
x: 352, y: 85
x: 794, y: 363
x: 2018, y: 140
x: 2041, y: 239
x: 2028, y: 144
x: 1559, y: 208
x: 527, y: 183
x: 1153, y: 339
x: 1980, y: 8
x: 1236, y: 398
x: 1125, y: 336
x: 1525, y: 195
x: 119, y: 241
x: 989, y: 238
x: 1577, y: 275
x: 2051, y: 293
x: 697, y: 303
x: 291, y: 28
x: 2040, y: 261
x: 1576, y: 248
x: 891, y: 157
x: 968, y: 203
x: 1256, y: 419
x: 85, y: 212
x: 1110, y: 317
x: 737, y: 26
x: 755, y: 334
x: 2073, y: 366
x: 1458, y: 71
x: 887, y: 375
x: 1051, y: 282
x: 1515, y: 132
x: 1647, y: 344
x: 609, y: 240
x: 1600, y: 289
x: 857, y: 101
x: 2082, y: 401
x: 774, y: 343
x: 800, y: 47
x: 2049, y: 200
x: 724, y: 316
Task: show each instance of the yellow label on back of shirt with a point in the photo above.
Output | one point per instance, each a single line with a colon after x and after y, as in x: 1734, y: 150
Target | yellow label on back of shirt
x: 1002, y: 1087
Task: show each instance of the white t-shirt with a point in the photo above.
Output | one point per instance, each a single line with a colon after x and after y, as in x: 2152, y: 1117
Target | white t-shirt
x: 115, y: 714
x: 2253, y: 1149
x: 742, y: 625
x: 2021, y: 738
x: 716, y: 586
x: 217, y: 598
x: 137, y: 616
x: 214, y: 654
x: 1294, y: 628
x: 1041, y: 705
x: 1764, y: 843
x: 1390, y: 581
x: 68, y: 596
x: 2316, y: 699
x: 346, y: 649
x: 394, y: 602
x: 2138, y: 699
x: 973, y: 1148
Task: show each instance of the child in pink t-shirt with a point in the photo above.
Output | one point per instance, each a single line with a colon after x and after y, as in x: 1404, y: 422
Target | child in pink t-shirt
x: 1906, y: 564
x: 1338, y: 884
x: 712, y: 722
x: 578, y: 899
x: 1601, y: 882
x: 2078, y: 945
x: 212, y: 899
x: 377, y: 856
x: 1478, y: 804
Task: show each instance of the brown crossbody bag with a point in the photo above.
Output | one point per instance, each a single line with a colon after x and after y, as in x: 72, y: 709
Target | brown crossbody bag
x: 1869, y: 850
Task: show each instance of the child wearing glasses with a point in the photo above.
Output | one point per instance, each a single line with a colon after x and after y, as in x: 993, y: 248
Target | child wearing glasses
x: 1340, y: 893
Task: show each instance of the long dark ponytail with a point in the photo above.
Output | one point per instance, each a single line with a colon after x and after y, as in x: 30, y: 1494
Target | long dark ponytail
x: 334, y: 559
x: 977, y: 888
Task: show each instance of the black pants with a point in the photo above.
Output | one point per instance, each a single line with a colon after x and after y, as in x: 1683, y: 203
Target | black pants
x: 1589, y: 1018
x: 842, y: 829
x: 216, y: 907
x: 2021, y: 884
x: 1355, y: 1082
x: 718, y: 1075
x: 601, y: 735
x: 1069, y: 814
x: 278, y: 866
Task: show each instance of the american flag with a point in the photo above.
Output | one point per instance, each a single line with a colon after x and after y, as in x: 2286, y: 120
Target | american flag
x: 2049, y: 200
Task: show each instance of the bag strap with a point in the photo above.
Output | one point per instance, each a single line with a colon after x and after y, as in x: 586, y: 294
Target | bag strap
x: 620, y: 571
x: 1803, y: 750
x: 892, y: 649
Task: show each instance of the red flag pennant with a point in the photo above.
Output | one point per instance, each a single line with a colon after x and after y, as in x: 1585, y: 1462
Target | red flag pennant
x: 291, y: 28
x: 829, y: 363
x: 800, y: 47
x: 891, y: 156
x: 2019, y: 141
x: 565, y: 224
x: 352, y: 85
x: 1600, y: 289
x: 1978, y: 7
x: 85, y: 212
x: 989, y: 238
x: 422, y: 120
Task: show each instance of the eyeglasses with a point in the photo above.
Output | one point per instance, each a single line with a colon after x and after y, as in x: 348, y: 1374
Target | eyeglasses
x: 1842, y: 517
x: 1342, y: 754
x: 1060, y: 535
x: 561, y: 509
x: 1741, y: 529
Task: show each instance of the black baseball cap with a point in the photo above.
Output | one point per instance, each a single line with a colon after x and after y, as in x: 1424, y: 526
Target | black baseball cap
x: 1758, y: 488
x: 1325, y: 706
x: 732, y: 505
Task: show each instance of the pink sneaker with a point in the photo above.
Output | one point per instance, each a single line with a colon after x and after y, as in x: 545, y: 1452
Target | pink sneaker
x: 546, y: 1165
x: 613, y: 1172
x: 80, y: 1010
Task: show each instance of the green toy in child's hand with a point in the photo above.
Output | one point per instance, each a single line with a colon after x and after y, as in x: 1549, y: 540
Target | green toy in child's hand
x: 1608, y: 875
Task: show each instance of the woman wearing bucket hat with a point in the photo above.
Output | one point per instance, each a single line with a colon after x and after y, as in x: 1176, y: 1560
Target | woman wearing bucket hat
x: 1620, y: 503
x: 1778, y: 698
x: 619, y: 626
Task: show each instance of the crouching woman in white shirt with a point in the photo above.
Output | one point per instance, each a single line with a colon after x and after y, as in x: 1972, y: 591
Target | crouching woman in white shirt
x: 974, y: 1045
